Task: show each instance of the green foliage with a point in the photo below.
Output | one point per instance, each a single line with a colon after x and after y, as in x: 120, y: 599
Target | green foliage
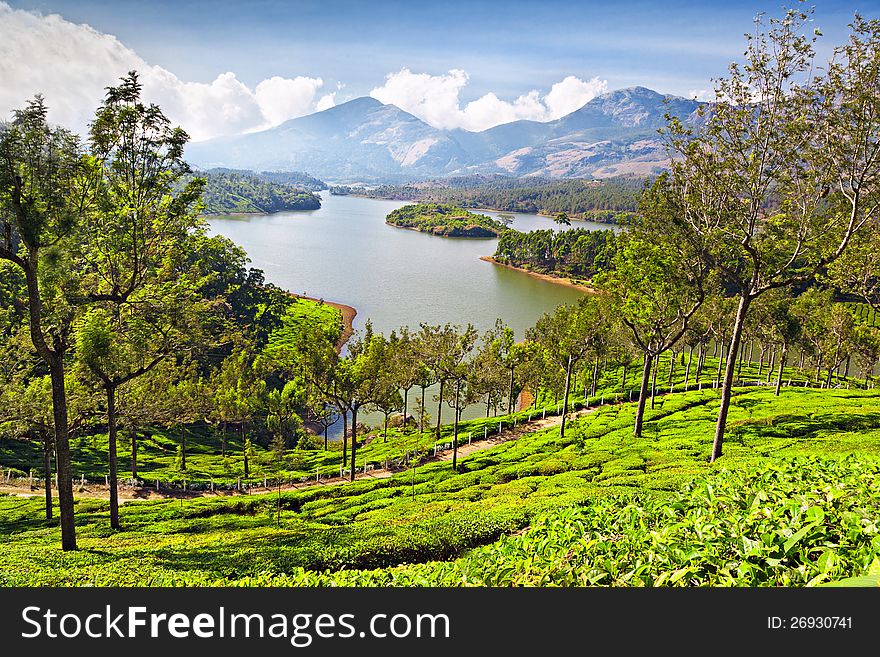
x: 231, y: 192
x: 613, y: 200
x: 615, y: 505
x: 580, y: 253
x: 445, y: 220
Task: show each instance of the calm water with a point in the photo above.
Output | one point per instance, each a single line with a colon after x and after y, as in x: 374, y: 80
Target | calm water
x: 345, y: 252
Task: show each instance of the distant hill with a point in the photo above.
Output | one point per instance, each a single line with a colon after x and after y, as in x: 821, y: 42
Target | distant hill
x: 231, y: 192
x: 295, y: 178
x: 365, y: 141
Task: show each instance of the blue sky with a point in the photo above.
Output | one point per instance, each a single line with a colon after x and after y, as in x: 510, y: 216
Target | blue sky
x: 506, y: 48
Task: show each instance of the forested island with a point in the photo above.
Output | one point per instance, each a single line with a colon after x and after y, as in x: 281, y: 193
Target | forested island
x: 577, y: 253
x: 445, y: 220
x: 613, y: 200
x: 239, y: 192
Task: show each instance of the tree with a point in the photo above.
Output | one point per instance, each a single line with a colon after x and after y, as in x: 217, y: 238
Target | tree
x: 567, y: 336
x: 562, y: 219
x: 656, y: 282
x: 143, y: 303
x: 444, y: 349
x: 784, y: 172
x: 45, y: 191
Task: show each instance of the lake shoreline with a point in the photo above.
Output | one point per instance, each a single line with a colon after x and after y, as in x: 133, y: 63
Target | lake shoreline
x: 348, y: 315
x: 549, y: 278
x: 572, y: 216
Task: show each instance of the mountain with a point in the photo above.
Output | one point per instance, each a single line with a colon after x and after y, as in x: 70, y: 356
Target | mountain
x: 365, y: 140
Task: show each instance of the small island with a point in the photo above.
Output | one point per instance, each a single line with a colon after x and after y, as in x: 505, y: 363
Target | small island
x: 234, y: 192
x: 445, y: 220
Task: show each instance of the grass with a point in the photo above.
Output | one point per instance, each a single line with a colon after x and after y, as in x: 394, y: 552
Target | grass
x: 423, y: 526
x: 157, y: 451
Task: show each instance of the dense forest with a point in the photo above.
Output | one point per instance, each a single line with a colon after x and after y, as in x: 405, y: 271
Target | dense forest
x: 578, y: 253
x: 446, y: 220
x: 231, y: 192
x: 608, y: 201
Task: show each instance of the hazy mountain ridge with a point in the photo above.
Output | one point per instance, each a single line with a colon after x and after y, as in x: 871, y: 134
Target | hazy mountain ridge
x: 613, y: 134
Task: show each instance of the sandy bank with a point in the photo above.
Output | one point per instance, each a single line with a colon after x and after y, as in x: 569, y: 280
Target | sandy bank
x: 558, y: 280
x: 348, y: 315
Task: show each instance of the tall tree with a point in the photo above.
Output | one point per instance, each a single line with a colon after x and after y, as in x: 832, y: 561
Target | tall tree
x: 45, y: 191
x: 444, y: 349
x: 785, y: 170
x: 143, y: 300
x: 656, y: 282
x: 566, y: 337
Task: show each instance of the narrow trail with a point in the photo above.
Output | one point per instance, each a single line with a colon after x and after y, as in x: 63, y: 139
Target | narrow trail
x: 99, y: 492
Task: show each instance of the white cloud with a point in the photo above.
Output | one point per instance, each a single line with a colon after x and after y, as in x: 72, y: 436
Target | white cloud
x: 326, y: 102
x: 71, y: 65
x: 704, y: 95
x: 436, y: 100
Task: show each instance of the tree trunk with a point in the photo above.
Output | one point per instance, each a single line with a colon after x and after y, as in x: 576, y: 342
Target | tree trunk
x: 565, y: 396
x: 721, y: 365
x: 643, y: 395
x: 134, y: 452
x: 671, y: 367
x: 829, y: 379
x: 62, y: 455
x: 354, y: 418
x: 385, y: 436
x: 422, y: 413
x: 510, y: 394
x: 439, y: 409
x: 772, y: 363
x: 455, y: 427
x: 405, y: 409
x: 344, y: 436
x: 595, y: 377
x: 47, y: 473
x: 55, y: 362
x: 761, y: 362
x: 623, y: 380
x: 488, y: 404
x: 326, y: 429
x: 110, y: 389
x: 781, y: 368
x: 244, y: 448
x: 701, y: 358
x: 654, y: 379
x: 726, y: 389
x: 687, y: 369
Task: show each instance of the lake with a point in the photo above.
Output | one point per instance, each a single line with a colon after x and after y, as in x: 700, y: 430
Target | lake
x: 345, y: 252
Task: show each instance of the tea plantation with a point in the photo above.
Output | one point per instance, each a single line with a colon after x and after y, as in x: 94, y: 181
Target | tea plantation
x: 795, y: 500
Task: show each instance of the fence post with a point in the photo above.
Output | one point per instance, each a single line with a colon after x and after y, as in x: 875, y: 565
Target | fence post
x: 469, y: 437
x: 486, y: 432
x: 106, y: 480
x: 318, y: 474
x: 82, y: 480
x: 238, y: 484
x: 157, y: 485
x: 544, y: 413
x: 264, y: 481
x: 31, y: 479
x: 212, y: 485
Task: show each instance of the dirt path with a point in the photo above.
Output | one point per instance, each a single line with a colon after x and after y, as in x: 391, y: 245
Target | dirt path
x: 97, y: 491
